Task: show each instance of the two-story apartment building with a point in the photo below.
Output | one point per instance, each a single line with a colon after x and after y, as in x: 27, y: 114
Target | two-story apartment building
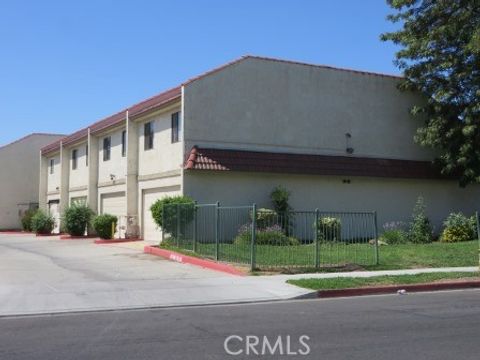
x: 337, y: 139
x: 19, y: 163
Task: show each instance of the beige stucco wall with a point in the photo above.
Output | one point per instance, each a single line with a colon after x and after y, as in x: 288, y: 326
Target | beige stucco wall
x: 164, y: 156
x: 77, y: 194
x: 393, y: 199
x: 117, y: 165
x: 274, y: 106
x: 53, y: 180
x: 79, y: 176
x: 19, y: 176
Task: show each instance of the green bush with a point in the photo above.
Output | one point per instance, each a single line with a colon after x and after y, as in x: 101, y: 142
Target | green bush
x: 265, y: 218
x: 103, y: 225
x: 77, y: 219
x: 269, y: 236
x: 42, y: 223
x: 280, y: 197
x: 420, y: 231
x: 27, y: 219
x: 394, y: 233
x: 166, y: 210
x: 458, y: 227
x: 329, y: 229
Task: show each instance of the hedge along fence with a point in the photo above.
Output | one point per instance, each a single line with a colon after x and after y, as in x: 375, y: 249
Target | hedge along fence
x: 264, y: 239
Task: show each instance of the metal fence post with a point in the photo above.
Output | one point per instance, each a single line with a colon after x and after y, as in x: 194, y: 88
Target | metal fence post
x: 478, y: 235
x: 163, y: 222
x: 375, y: 229
x: 217, y: 230
x: 317, y: 244
x: 195, y: 227
x: 254, y: 237
x: 178, y: 226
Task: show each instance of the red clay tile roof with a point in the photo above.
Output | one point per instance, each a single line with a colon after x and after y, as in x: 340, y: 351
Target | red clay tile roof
x: 173, y: 94
x: 254, y: 161
x: 115, y: 119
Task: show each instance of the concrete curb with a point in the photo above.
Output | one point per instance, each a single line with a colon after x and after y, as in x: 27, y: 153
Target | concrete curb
x: 15, y: 232
x: 185, y: 259
x: 114, y: 241
x: 393, y: 289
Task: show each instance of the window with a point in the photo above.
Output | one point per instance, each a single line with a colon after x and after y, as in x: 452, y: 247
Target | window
x: 52, y: 164
x: 74, y: 159
x: 148, y: 136
x: 86, y: 155
x: 175, y: 127
x: 107, y: 144
x: 124, y: 143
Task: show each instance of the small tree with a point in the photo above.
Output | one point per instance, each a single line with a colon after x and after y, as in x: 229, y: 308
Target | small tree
x: 172, y: 211
x: 42, y: 223
x: 77, y: 219
x: 420, y: 230
x: 280, y: 197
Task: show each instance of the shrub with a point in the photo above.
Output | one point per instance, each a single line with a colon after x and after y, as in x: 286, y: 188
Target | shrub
x: 272, y: 235
x: 27, y: 219
x: 329, y: 229
x: 76, y: 219
x: 42, y: 223
x: 458, y: 227
x: 420, y: 230
x: 103, y: 225
x: 394, y: 233
x: 265, y: 218
x: 166, y: 209
x: 280, y: 197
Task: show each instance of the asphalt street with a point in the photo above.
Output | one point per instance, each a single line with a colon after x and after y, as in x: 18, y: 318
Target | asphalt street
x: 438, y: 326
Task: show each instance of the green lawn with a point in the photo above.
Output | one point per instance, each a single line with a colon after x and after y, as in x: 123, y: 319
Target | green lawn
x: 350, y: 282
x: 339, y: 254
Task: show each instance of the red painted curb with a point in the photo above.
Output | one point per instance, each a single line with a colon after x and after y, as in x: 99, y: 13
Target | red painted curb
x: 70, y: 237
x: 185, y: 259
x: 113, y: 241
x: 394, y: 288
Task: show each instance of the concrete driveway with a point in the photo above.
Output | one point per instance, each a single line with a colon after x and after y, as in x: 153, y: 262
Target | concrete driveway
x: 48, y: 275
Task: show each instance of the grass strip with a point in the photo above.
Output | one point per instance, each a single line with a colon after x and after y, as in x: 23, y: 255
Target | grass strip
x: 355, y: 282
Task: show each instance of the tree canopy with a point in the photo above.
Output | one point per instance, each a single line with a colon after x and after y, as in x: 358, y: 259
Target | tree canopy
x: 440, y: 57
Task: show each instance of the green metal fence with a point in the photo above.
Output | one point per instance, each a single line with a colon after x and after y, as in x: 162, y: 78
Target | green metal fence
x: 263, y: 239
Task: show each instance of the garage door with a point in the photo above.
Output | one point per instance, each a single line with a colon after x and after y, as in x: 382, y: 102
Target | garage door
x: 54, y: 211
x: 115, y: 204
x: 150, y: 231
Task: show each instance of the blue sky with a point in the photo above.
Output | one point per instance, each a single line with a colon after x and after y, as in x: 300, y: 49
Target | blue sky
x: 66, y: 64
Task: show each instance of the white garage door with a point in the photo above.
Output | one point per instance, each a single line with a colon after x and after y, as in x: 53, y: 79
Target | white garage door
x: 150, y: 231
x: 54, y: 211
x: 115, y: 204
